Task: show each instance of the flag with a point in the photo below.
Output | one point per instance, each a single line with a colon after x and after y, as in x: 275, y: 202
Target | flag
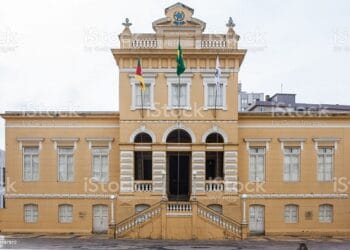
x: 217, y: 72
x: 181, y: 67
x: 138, y: 75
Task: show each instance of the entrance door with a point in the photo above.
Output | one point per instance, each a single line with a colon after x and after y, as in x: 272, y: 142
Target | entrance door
x: 256, y: 219
x: 100, y: 218
x: 179, y: 176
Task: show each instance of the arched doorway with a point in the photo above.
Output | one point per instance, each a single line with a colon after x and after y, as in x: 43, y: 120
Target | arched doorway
x: 179, y: 167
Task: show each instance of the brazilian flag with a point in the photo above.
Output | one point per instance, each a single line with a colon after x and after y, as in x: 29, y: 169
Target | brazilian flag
x: 181, y: 67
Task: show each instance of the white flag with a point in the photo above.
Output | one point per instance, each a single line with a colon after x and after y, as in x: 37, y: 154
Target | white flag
x: 217, y: 71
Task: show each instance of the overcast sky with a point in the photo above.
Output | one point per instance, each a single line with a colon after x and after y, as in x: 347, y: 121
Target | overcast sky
x: 54, y: 55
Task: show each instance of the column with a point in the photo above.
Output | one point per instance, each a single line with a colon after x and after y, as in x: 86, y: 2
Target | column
x: 230, y: 171
x: 198, y: 172
x: 159, y: 172
x: 126, y: 171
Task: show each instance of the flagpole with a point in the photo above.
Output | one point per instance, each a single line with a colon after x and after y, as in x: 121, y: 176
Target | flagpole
x: 216, y: 94
x: 178, y: 97
x: 141, y: 102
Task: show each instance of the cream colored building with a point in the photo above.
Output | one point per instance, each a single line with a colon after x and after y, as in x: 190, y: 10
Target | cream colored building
x: 171, y: 165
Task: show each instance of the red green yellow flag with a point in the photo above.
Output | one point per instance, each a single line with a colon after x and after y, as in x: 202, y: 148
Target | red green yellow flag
x: 138, y: 75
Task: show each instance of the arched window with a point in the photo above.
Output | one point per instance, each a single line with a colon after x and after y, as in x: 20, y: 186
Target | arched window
x: 291, y: 213
x: 143, y: 138
x: 325, y: 213
x: 141, y: 207
x: 65, y: 213
x: 30, y: 213
x: 214, y: 138
x: 179, y: 136
x: 216, y: 207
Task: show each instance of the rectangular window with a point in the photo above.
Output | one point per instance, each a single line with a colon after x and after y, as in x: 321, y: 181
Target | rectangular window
x: 214, y: 162
x: 326, y: 213
x: 291, y: 214
x: 215, y: 93
x: 257, y: 164
x: 291, y: 164
x: 143, y: 166
x: 31, y: 163
x: 65, y: 164
x: 65, y: 213
x: 325, y: 164
x: 100, y: 164
x: 143, y: 98
x: 177, y: 90
x: 30, y: 213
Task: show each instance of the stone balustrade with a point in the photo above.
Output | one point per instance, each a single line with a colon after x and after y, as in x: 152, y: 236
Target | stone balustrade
x: 214, y: 186
x: 143, y: 186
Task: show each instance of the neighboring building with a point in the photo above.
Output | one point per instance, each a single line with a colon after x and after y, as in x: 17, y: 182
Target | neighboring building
x: 168, y: 165
x: 245, y: 99
x: 285, y: 103
x: 2, y: 177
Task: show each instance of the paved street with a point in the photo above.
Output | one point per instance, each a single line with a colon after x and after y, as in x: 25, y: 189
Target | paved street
x: 32, y: 241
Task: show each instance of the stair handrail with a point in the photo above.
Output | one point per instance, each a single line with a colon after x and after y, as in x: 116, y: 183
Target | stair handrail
x: 223, y: 217
x: 136, y: 215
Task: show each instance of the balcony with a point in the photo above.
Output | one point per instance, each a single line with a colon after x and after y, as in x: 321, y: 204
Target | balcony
x: 143, y: 186
x: 214, y: 186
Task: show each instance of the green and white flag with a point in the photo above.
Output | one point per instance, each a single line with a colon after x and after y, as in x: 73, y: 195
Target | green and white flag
x: 181, y: 67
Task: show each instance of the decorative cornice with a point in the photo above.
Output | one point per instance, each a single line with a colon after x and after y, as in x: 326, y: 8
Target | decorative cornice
x: 257, y: 139
x: 292, y: 139
x: 31, y: 125
x: 58, y: 196
x: 36, y: 140
x: 172, y: 71
x: 99, y: 139
x: 297, y: 196
x: 328, y: 139
x: 32, y: 139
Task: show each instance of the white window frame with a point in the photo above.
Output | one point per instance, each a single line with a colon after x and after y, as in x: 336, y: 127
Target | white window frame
x: 323, y: 155
x: 207, y: 80
x: 256, y: 155
x: 100, y: 152
x: 33, y: 209
x: 150, y: 79
x: 172, y: 79
x: 58, y: 164
x: 322, y: 213
x: 24, y: 153
x: 65, y: 213
x: 288, y: 154
x: 291, y: 213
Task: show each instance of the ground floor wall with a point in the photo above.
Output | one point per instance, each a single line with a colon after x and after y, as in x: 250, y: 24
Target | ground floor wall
x: 178, y: 226
x: 308, y: 213
x: 12, y: 217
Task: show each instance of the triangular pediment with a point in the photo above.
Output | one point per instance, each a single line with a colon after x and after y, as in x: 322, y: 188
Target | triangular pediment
x: 178, y: 16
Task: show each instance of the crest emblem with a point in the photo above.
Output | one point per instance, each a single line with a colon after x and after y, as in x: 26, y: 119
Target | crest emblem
x: 179, y: 17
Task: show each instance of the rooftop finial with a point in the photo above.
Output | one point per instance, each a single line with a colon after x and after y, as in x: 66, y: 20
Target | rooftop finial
x: 230, y: 23
x: 127, y: 23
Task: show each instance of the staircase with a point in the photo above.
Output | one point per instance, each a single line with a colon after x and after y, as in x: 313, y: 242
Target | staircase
x: 183, y: 217
x: 139, y: 219
x: 230, y: 226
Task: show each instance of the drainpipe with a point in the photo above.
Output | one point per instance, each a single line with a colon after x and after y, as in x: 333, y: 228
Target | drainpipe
x: 244, y: 226
x: 244, y: 219
x: 164, y: 185
x: 112, y: 225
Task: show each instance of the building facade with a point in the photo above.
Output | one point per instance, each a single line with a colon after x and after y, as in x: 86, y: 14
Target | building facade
x: 173, y: 163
